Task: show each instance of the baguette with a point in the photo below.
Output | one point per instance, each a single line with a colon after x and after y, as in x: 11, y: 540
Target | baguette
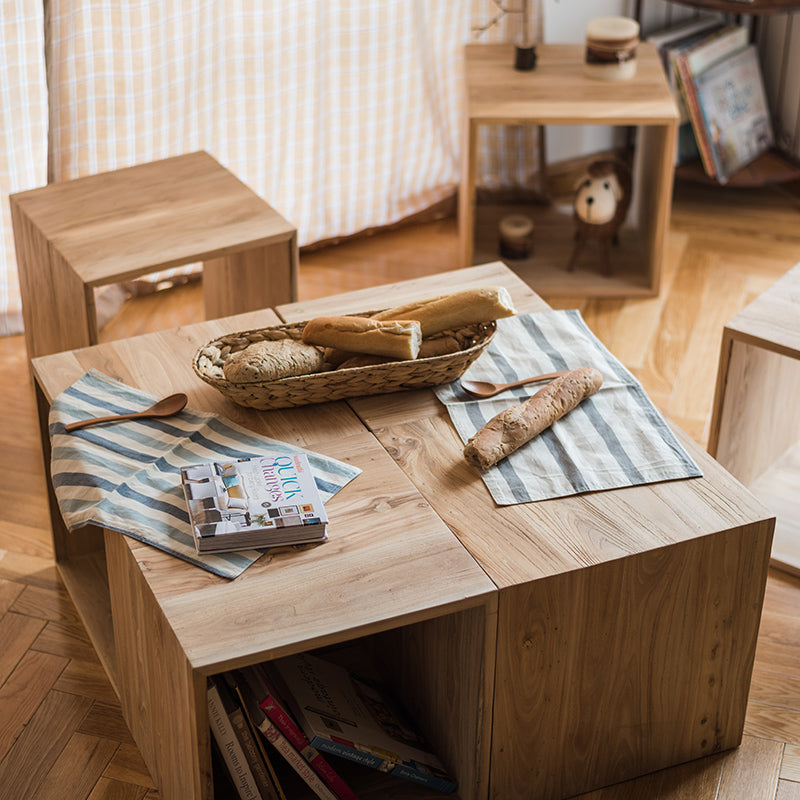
x: 465, y: 307
x: 392, y: 338
x: 515, y: 426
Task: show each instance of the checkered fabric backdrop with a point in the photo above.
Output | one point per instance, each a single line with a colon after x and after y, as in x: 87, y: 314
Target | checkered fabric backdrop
x: 343, y: 114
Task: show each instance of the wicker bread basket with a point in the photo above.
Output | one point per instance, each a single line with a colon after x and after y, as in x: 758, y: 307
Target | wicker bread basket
x: 322, y: 387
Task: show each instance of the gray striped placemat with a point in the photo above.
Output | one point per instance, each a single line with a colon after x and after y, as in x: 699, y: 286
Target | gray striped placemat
x: 125, y: 476
x: 613, y: 439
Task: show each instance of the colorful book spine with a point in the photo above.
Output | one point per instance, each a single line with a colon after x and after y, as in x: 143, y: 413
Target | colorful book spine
x: 275, y: 710
x: 686, y: 82
x: 294, y: 759
x: 250, y: 688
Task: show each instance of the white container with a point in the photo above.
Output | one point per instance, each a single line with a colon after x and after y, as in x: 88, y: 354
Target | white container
x: 611, y: 44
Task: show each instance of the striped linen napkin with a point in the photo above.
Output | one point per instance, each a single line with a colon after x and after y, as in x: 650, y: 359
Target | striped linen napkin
x: 126, y: 476
x: 614, y: 438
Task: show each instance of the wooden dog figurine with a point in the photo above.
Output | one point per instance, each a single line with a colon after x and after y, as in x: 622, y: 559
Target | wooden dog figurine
x: 600, y: 206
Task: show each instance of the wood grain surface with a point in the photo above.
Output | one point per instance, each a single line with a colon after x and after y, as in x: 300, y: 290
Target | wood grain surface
x: 724, y: 248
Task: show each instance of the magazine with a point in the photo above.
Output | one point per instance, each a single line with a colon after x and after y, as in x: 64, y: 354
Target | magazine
x: 356, y: 718
x: 248, y: 503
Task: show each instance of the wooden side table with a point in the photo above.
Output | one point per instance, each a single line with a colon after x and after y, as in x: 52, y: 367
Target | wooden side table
x: 558, y: 93
x: 74, y: 236
x: 755, y: 422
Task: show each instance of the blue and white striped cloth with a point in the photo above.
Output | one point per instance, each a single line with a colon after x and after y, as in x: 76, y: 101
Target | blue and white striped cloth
x: 125, y: 476
x: 614, y: 438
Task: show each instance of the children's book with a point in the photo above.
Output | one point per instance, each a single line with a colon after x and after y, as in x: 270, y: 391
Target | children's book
x: 735, y: 112
x: 249, y: 503
x: 357, y: 718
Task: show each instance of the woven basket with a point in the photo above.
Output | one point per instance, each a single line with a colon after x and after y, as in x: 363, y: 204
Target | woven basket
x: 322, y: 387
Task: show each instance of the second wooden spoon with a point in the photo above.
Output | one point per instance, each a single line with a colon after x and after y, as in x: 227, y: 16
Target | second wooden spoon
x: 489, y: 389
x: 165, y: 407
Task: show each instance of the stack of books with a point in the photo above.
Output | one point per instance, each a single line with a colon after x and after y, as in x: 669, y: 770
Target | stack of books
x: 715, y: 75
x: 302, y: 717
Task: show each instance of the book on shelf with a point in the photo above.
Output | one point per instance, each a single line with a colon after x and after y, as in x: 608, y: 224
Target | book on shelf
x: 709, y: 61
x: 246, y: 503
x: 669, y: 42
x: 358, y: 719
x: 230, y: 747
x: 270, y: 699
x: 735, y: 113
x: 249, y: 691
x: 248, y: 735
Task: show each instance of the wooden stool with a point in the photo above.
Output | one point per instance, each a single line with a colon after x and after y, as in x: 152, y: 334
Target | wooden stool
x: 74, y: 236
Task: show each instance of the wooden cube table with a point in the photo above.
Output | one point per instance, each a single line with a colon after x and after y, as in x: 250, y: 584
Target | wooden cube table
x: 545, y: 649
x: 755, y: 422
x: 75, y: 236
x: 558, y: 93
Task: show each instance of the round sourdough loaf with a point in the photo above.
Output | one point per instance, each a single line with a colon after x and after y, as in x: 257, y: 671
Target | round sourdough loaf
x: 269, y: 361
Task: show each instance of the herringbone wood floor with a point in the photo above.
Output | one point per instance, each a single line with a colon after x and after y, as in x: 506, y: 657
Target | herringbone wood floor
x: 61, y: 731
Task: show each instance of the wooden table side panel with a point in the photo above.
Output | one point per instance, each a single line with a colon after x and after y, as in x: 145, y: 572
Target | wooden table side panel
x: 617, y: 670
x: 759, y: 417
x: 653, y: 181
x: 443, y: 668
x: 163, y: 701
x: 54, y: 307
x: 261, y: 277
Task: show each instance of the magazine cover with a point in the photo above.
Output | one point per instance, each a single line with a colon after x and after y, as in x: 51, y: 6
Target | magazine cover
x: 253, y: 502
x: 348, y: 716
x: 734, y: 107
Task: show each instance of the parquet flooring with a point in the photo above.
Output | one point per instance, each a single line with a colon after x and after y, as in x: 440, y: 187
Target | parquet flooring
x: 62, y: 734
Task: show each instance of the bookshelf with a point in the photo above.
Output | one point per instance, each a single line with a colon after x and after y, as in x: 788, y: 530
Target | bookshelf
x: 558, y: 93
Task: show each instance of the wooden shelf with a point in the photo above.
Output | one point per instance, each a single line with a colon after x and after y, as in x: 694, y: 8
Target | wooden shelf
x: 558, y: 93
x: 545, y: 271
x: 86, y: 580
x: 743, y: 7
x: 768, y: 169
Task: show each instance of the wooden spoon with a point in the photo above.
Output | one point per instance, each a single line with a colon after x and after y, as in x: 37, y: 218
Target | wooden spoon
x: 165, y: 407
x: 489, y: 389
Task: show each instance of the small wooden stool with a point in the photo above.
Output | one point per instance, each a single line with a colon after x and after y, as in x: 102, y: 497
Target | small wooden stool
x: 74, y: 236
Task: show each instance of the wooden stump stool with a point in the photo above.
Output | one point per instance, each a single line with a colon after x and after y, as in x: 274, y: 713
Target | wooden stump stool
x: 74, y: 236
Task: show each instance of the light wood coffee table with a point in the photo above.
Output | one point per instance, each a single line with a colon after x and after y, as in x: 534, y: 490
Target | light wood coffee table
x: 546, y: 649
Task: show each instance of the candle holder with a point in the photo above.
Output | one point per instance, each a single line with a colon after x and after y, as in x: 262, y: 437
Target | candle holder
x: 525, y: 46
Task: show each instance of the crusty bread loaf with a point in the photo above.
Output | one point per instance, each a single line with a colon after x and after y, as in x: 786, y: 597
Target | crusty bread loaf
x: 515, y: 426
x: 392, y: 338
x: 268, y: 361
x: 455, y: 310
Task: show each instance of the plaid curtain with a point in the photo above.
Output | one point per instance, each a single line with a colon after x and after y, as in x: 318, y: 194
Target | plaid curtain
x: 343, y: 115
